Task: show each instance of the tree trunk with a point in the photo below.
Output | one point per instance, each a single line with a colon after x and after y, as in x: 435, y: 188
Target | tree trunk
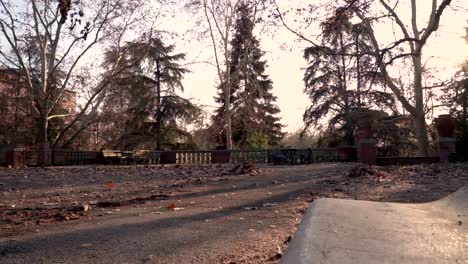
x: 419, y: 117
x: 358, y: 72
x: 349, y: 128
x: 227, y: 99
x: 421, y: 136
x: 229, y: 144
x: 158, y: 107
x: 227, y: 117
x: 43, y: 157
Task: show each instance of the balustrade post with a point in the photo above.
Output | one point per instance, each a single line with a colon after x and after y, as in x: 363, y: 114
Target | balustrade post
x: 446, y: 143
x: 16, y: 158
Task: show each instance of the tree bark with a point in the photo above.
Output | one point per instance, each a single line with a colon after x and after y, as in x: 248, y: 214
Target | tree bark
x: 227, y: 90
x: 358, y: 72
x: 421, y: 136
x: 419, y: 118
x: 158, y: 107
x: 349, y: 130
x: 226, y: 76
x: 43, y: 157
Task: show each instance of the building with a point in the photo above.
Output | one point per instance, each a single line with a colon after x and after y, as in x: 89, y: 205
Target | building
x: 17, y: 125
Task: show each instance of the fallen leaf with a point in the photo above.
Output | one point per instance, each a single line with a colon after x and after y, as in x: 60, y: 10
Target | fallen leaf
x: 110, y: 185
x: 278, y: 249
x: 86, y: 207
x: 86, y: 245
x: 250, y: 208
x: 172, y: 206
x: 149, y: 258
x: 269, y: 204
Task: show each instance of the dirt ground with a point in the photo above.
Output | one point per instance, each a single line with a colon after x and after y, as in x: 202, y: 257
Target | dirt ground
x: 199, y: 213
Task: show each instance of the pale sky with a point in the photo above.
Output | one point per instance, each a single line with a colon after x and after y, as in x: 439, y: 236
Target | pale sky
x: 285, y: 66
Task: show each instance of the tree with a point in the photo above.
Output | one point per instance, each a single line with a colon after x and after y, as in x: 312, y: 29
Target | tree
x: 415, y: 105
x: 219, y: 17
x: 62, y: 32
x: 455, y: 99
x: 145, y: 93
x: 300, y: 139
x: 409, y: 42
x: 334, y: 67
x: 253, y: 104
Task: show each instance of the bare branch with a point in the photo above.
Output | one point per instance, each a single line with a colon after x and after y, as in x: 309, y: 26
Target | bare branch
x: 301, y: 36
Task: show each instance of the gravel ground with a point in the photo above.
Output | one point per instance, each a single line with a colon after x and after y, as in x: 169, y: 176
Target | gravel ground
x: 186, y: 214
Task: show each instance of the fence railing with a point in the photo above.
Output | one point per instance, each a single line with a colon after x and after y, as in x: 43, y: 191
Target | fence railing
x: 254, y: 156
x: 289, y: 156
x: 75, y: 157
x: 193, y: 157
x: 3, y: 160
x: 324, y: 154
x: 61, y: 157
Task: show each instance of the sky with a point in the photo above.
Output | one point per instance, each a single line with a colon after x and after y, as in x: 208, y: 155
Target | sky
x: 286, y: 66
x: 284, y: 55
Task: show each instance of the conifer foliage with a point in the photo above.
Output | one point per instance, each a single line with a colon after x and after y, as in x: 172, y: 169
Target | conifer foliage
x: 144, y: 98
x: 255, y: 123
x: 342, y: 81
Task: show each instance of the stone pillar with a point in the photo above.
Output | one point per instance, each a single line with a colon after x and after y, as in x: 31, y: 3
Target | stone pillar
x: 16, y: 158
x: 44, y: 155
x: 446, y: 144
x: 367, y: 151
x: 446, y: 147
x: 347, y: 154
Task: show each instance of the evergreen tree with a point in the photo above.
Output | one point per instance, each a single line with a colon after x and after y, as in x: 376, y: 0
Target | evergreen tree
x: 253, y: 104
x: 340, y: 79
x: 145, y: 96
x: 455, y: 98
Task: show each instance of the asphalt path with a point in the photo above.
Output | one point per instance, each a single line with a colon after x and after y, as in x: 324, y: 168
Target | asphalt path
x: 243, y: 220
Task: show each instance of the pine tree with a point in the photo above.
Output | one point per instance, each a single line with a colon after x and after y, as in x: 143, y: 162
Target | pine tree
x: 254, y: 109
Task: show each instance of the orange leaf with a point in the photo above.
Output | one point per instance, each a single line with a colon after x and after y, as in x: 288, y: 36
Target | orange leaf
x: 110, y: 185
x: 172, y: 206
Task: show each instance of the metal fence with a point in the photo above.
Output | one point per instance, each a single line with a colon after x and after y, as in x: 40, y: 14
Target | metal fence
x: 3, y: 156
x: 254, y: 156
x: 75, y: 157
x: 324, y: 154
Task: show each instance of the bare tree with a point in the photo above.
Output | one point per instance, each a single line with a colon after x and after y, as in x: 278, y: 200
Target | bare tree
x: 63, y: 33
x: 416, y: 41
x: 409, y: 41
x: 219, y: 17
